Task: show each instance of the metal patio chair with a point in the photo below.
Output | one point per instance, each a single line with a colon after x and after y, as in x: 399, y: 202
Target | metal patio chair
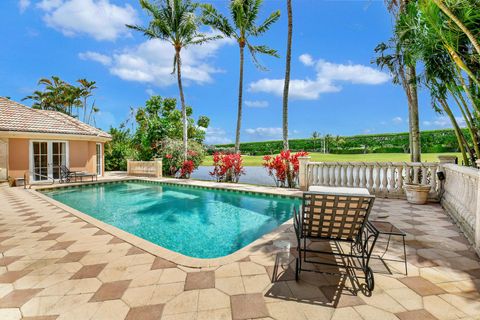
x: 340, y: 217
x: 66, y: 175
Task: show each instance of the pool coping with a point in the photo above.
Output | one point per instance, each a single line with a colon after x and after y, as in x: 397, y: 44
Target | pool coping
x: 252, y: 248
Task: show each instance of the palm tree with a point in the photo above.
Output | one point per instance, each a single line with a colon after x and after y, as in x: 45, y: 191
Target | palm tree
x: 287, y: 75
x: 86, y: 88
x: 175, y: 21
x: 244, y: 15
x: 404, y: 71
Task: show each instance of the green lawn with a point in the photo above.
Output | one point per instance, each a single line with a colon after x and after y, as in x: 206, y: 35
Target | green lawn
x: 382, y: 157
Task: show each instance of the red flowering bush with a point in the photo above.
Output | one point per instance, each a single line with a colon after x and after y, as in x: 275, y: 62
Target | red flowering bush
x: 227, y: 167
x: 174, y: 163
x: 284, y: 168
x: 186, y: 169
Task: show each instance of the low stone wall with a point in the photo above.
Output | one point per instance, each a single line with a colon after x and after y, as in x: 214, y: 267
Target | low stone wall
x: 145, y: 168
x: 461, y: 199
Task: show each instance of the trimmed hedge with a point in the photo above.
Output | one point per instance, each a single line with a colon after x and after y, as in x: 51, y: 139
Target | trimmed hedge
x: 431, y: 142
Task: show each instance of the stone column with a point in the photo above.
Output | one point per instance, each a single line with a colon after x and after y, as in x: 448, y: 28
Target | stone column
x: 128, y: 167
x: 158, y: 167
x: 303, y: 173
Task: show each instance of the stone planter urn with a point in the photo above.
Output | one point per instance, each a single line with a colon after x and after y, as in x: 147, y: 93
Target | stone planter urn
x: 417, y: 193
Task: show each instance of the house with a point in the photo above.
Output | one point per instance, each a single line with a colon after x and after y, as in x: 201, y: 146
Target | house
x: 36, y: 142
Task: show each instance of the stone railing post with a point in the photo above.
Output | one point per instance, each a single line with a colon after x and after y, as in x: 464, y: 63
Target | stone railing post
x: 478, y: 163
x: 447, y: 159
x: 158, y: 167
x: 128, y: 167
x: 303, y: 173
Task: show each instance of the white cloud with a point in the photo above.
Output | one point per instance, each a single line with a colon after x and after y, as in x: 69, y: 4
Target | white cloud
x: 265, y: 132
x: 306, y: 59
x: 397, y: 120
x: 256, y: 103
x: 268, y: 132
x: 152, y: 62
x: 150, y: 92
x: 328, y: 75
x: 216, y: 136
x: 23, y: 5
x: 100, y: 19
x: 443, y: 122
x: 95, y: 56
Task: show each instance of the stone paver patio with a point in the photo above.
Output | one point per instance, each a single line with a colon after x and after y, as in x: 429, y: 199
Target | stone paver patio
x: 54, y: 265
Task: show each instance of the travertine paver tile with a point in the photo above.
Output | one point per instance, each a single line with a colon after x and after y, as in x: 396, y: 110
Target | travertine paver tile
x: 217, y: 314
x: 150, y: 312
x: 408, y: 298
x: 228, y: 270
x: 200, y: 280
x: 17, y: 298
x: 416, y: 315
x: 166, y: 292
x: 73, y: 257
x: 248, y: 306
x: 371, y: 313
x: 110, y: 291
x: 285, y: 310
x: 183, y: 303
x: 231, y: 285
x: 347, y: 313
x: 250, y: 268
x: 255, y: 283
x: 422, y: 286
x: 111, y: 310
x: 161, y: 263
x: 210, y: 299
x: 138, y: 296
x: 12, y: 276
x: 10, y: 314
x: 441, y: 309
x: 89, y: 271
x: 171, y: 275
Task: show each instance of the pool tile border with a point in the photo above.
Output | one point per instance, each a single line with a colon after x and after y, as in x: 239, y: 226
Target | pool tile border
x: 157, y: 250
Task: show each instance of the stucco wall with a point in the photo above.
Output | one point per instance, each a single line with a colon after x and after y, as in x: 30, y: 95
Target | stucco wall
x: 18, y: 157
x: 82, y: 156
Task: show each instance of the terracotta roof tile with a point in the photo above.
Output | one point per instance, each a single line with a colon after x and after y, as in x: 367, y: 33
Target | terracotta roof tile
x: 17, y: 117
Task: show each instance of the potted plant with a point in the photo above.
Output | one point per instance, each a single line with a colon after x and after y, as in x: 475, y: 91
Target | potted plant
x: 417, y: 193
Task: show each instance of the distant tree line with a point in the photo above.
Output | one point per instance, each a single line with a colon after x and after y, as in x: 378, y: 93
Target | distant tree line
x: 431, y: 142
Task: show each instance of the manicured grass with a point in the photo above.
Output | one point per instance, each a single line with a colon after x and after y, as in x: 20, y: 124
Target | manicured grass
x: 369, y: 157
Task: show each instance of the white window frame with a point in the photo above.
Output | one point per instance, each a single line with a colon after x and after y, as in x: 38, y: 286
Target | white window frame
x: 49, y: 156
x: 99, y: 172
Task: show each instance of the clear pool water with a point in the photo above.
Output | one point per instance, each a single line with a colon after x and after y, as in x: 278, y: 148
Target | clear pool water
x: 196, y: 222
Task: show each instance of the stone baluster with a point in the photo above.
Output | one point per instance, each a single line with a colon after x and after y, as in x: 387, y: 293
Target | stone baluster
x: 384, y: 180
x: 416, y: 170
x: 370, y: 178
x: 344, y: 175
x: 399, y: 179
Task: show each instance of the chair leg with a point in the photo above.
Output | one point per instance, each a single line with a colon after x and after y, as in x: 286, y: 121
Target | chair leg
x: 297, y: 268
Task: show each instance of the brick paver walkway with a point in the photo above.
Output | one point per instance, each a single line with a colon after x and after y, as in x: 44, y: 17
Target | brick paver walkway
x: 57, y: 266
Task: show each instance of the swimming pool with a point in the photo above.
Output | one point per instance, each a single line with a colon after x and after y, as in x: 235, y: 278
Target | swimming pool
x: 200, y: 223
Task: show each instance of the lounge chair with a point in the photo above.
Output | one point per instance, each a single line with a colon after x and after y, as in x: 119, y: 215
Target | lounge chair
x: 66, y: 175
x: 330, y: 215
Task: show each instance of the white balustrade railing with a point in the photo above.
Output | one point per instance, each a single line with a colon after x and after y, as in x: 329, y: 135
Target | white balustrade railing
x: 460, y: 199
x: 145, y: 168
x: 384, y: 179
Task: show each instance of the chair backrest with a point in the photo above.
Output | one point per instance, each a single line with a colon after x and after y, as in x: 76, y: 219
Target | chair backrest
x: 334, y: 216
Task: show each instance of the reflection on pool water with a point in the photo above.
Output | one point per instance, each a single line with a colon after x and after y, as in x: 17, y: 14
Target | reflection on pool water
x: 196, y: 222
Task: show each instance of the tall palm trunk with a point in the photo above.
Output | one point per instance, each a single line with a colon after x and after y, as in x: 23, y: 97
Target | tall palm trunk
x: 240, y: 97
x: 182, y: 100
x: 287, y: 76
x: 415, y: 153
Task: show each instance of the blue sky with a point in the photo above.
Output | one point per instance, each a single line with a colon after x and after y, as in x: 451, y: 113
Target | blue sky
x: 335, y: 88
